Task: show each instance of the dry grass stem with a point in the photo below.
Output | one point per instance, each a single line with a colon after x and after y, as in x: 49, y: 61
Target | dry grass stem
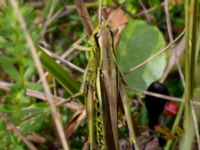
x: 41, y: 95
x: 84, y: 15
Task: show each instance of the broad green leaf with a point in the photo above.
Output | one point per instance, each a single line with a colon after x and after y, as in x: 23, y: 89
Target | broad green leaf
x: 139, y: 41
x: 69, y: 83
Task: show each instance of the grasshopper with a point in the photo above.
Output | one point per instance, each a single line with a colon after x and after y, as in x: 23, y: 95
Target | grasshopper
x: 102, y: 84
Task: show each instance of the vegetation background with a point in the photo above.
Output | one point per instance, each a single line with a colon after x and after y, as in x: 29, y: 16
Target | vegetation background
x: 146, y: 29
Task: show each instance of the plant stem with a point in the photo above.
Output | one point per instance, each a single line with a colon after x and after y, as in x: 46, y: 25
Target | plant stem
x: 191, y: 20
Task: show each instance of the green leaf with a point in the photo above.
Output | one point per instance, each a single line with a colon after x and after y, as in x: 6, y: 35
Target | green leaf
x: 35, y: 118
x: 69, y: 83
x: 8, y: 67
x: 34, y: 86
x: 9, y: 108
x: 143, y: 115
x: 139, y: 41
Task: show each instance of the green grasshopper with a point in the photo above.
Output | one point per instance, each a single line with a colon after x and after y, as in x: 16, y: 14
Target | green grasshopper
x: 102, y: 85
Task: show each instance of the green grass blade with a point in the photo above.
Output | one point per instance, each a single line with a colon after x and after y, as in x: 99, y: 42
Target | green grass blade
x: 68, y: 83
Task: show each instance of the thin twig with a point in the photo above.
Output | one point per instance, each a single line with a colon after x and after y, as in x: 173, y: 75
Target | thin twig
x: 49, y: 16
x: 84, y: 15
x: 17, y: 132
x: 100, y: 9
x: 37, y: 4
x: 40, y: 95
x: 60, y: 13
x: 64, y: 11
x: 169, y: 26
x: 36, y: 138
x: 147, y: 10
x: 156, y: 94
x: 38, y: 64
x: 176, y: 53
x: 171, y: 98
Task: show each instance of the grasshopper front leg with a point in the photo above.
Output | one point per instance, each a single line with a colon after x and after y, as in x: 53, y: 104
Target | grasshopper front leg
x: 81, y: 91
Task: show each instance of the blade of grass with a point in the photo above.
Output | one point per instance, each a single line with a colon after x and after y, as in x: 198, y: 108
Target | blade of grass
x: 70, y: 84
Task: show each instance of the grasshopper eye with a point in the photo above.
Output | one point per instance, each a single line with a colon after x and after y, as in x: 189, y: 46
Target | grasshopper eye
x: 96, y: 37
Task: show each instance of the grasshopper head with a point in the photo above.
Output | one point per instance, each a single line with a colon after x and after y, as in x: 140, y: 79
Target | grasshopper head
x: 103, y: 36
